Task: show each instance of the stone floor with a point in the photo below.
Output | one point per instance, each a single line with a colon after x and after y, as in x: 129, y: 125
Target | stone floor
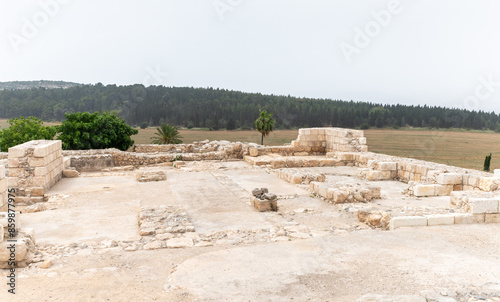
x: 309, y: 250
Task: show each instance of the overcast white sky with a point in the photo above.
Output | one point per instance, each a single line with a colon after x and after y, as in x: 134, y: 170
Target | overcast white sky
x: 414, y: 52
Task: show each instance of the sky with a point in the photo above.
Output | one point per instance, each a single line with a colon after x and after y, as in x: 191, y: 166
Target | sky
x: 434, y: 52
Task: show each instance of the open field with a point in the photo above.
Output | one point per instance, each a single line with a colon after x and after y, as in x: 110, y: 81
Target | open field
x: 252, y: 136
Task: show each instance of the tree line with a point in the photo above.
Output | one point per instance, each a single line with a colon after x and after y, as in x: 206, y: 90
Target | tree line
x: 219, y: 108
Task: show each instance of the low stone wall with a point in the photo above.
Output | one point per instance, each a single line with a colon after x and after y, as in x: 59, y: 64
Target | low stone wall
x: 92, y: 163
x: 425, y: 178
x: 34, y: 167
x: 300, y: 176
x: 345, y: 193
x: 4, y: 155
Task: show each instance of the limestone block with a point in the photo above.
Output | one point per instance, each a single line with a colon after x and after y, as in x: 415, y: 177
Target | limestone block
x: 455, y: 197
x: 378, y: 175
x: 13, y: 162
x: 17, y: 172
x: 278, y: 163
x: 492, y: 218
x: 407, y: 221
x: 70, y: 173
x: 41, y: 151
x: 362, y: 140
x: 387, y: 166
x: 449, y: 179
x: 40, y: 171
x: 3, y: 185
x: 264, y: 205
x: 483, y: 206
x: 39, y: 181
x: 424, y: 190
x: 254, y: 152
x: 296, y: 178
x: 147, y: 176
x: 37, y: 161
x: 488, y: 183
x: 440, y: 219
x: 37, y: 191
x: 474, y: 181
x: 330, y: 192
x: 17, y: 152
x: 339, y: 196
x: 442, y: 190
x: 322, y: 191
x: 467, y: 218
x: 20, y: 250
x: 13, y: 182
x: 346, y: 156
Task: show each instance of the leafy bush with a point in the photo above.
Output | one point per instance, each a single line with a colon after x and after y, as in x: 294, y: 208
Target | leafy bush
x: 144, y: 125
x: 24, y: 129
x: 84, y: 130
x: 365, y: 126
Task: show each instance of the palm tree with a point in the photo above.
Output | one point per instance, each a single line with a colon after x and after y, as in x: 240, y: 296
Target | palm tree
x: 264, y: 124
x: 166, y: 134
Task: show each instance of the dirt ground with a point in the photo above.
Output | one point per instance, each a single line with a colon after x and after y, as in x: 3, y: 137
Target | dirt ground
x: 309, y: 250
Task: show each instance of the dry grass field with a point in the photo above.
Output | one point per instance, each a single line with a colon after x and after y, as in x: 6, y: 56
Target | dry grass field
x: 188, y: 136
x: 456, y: 148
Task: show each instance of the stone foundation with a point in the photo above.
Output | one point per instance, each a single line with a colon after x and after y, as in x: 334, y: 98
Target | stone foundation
x: 34, y: 167
x: 300, y: 176
x: 343, y: 194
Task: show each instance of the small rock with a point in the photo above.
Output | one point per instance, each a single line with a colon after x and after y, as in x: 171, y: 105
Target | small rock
x: 131, y: 248
x: 256, y: 192
x: 154, y: 245
x: 165, y: 236
x: 180, y: 243
x: 146, y: 232
x: 269, y: 196
x: 46, y: 264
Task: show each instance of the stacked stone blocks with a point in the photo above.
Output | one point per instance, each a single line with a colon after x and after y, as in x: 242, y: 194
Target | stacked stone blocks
x: 34, y: 167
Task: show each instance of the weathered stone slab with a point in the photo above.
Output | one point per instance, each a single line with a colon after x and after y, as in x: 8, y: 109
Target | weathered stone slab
x: 440, y: 219
x: 147, y: 176
x: 483, y: 206
x: 407, y: 221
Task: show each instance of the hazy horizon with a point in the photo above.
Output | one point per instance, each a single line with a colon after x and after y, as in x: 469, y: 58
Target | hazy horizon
x: 406, y: 52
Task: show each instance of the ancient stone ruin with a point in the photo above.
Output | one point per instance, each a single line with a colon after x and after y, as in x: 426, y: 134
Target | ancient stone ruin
x: 219, y: 194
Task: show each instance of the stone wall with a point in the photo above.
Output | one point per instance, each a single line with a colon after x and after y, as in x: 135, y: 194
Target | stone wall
x: 425, y: 178
x: 3, y: 190
x: 324, y: 140
x: 34, y: 167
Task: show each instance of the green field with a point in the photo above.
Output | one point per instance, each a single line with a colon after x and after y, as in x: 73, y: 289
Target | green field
x: 456, y: 148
